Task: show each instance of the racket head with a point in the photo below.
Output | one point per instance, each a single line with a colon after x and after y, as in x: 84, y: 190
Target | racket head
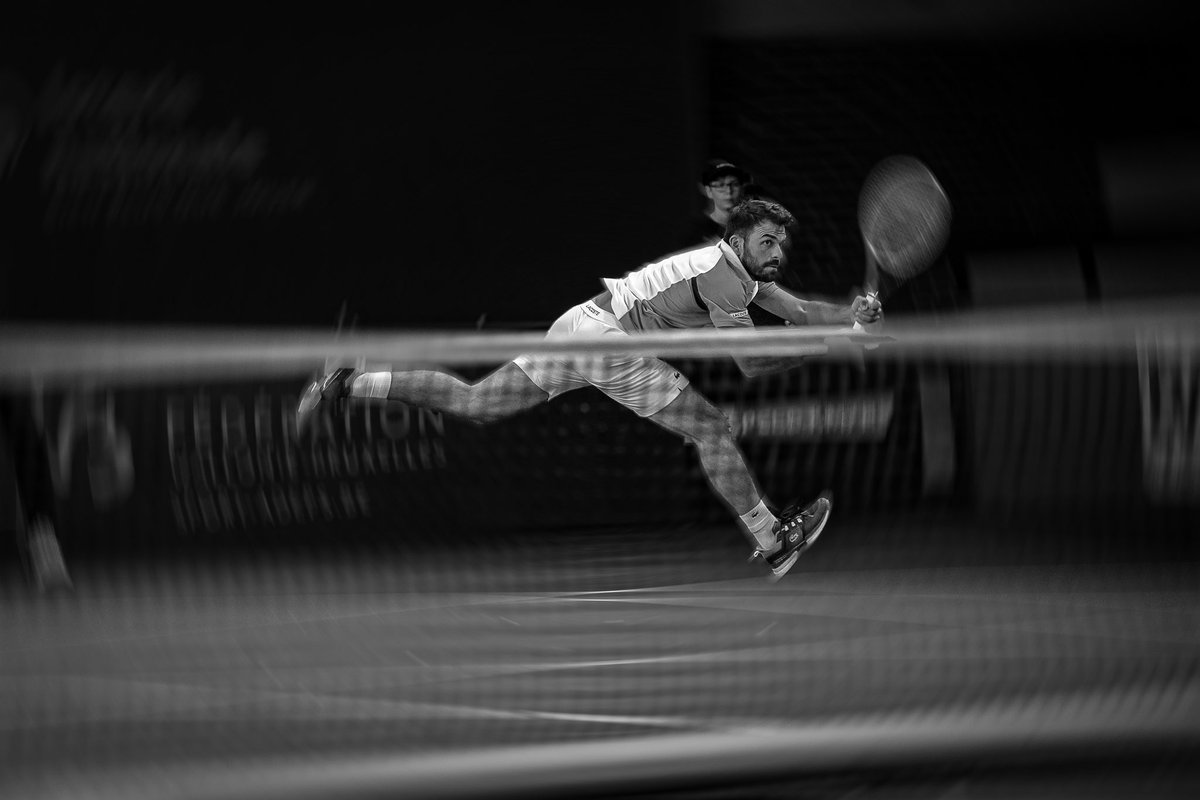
x: 904, y: 215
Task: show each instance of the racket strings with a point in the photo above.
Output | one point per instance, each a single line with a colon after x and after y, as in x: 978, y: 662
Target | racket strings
x: 904, y: 215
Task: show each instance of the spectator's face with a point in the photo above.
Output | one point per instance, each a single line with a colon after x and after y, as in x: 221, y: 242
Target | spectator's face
x: 724, y: 192
x: 761, y: 251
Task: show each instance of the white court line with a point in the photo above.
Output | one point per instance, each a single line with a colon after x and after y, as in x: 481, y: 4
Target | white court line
x: 837, y: 647
x: 1041, y: 579
x: 165, y: 619
x: 616, y: 719
x: 852, y: 645
x: 1061, y: 608
x: 139, y: 700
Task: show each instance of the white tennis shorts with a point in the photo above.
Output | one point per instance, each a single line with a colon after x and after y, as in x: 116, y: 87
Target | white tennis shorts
x: 644, y: 385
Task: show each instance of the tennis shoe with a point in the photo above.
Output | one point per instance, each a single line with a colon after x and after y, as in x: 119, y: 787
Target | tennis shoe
x: 796, y: 531
x: 334, y: 387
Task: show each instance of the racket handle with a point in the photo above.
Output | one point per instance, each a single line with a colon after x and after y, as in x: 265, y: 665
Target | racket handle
x: 870, y: 327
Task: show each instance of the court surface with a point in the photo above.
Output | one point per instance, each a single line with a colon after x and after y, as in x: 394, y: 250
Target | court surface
x: 913, y: 662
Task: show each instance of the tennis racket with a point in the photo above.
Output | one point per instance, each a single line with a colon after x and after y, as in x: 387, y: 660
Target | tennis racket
x: 904, y: 216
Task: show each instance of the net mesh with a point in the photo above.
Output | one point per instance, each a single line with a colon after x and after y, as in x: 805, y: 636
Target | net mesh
x: 1012, y: 552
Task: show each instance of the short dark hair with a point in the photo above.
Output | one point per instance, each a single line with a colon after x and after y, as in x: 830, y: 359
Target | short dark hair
x: 748, y: 214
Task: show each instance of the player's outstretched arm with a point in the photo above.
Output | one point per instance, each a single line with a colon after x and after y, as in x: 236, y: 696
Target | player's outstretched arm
x: 801, y: 311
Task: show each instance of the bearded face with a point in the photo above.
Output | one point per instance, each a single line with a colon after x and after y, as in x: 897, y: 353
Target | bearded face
x: 761, y: 251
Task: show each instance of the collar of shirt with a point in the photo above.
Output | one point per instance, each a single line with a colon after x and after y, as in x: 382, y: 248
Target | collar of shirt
x: 734, y: 262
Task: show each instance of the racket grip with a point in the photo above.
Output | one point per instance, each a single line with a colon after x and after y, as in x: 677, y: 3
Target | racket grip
x: 871, y: 327
x: 858, y: 326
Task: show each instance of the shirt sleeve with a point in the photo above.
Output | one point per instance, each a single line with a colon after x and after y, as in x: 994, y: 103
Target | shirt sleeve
x: 726, y: 299
x: 766, y: 290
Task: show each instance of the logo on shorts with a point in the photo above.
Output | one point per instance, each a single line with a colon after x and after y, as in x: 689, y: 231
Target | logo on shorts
x: 739, y: 314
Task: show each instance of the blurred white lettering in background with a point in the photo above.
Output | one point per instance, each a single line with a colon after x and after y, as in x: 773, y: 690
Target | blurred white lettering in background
x: 121, y: 148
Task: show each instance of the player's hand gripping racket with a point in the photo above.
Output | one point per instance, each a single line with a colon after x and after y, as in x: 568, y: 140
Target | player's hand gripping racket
x: 904, y: 215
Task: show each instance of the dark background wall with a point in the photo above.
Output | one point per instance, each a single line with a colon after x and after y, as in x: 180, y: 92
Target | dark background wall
x: 489, y: 162
x: 1052, y: 125
x: 464, y: 160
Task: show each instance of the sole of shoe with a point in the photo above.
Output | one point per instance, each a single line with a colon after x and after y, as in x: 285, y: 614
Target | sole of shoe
x: 309, y: 400
x: 781, y: 570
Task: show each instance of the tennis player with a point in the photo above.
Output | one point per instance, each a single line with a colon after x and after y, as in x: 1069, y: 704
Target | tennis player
x: 708, y: 287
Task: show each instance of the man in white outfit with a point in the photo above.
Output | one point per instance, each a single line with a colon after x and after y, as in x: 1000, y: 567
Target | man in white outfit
x: 708, y: 287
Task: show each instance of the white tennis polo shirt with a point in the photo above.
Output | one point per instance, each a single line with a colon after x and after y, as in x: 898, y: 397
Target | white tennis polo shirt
x: 702, y: 288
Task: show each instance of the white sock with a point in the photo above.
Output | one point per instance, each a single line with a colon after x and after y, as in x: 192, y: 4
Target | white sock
x: 759, y: 522
x: 372, y: 384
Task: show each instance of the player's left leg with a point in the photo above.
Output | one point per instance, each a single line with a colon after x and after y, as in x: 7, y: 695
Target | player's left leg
x: 779, y: 541
x: 653, y: 389
x: 693, y: 417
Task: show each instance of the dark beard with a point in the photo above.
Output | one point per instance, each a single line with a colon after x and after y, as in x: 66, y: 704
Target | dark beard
x: 758, y: 271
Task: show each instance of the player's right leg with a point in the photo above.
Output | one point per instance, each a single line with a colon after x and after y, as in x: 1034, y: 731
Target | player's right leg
x: 523, y: 383
x: 506, y: 391
x: 501, y: 394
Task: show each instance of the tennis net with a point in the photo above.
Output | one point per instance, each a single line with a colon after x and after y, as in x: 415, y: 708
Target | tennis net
x: 189, y: 435
x: 1008, y: 577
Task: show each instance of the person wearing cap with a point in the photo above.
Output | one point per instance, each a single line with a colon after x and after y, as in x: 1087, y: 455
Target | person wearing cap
x: 723, y: 184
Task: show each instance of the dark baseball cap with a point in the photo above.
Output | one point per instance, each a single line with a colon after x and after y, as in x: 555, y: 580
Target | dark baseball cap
x: 718, y: 168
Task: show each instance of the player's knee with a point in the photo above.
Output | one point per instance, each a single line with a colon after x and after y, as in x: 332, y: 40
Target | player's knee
x: 710, y: 429
x: 485, y: 408
x: 480, y: 409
